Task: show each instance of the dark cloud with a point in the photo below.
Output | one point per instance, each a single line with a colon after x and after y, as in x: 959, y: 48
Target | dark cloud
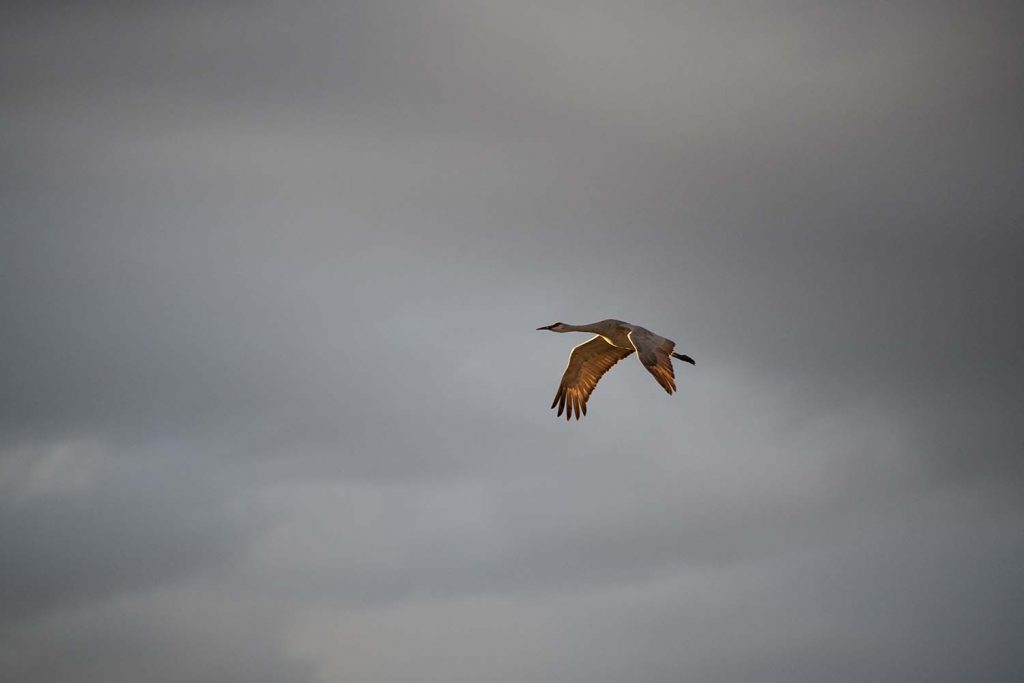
x: 81, y: 524
x: 269, y: 280
x: 170, y: 635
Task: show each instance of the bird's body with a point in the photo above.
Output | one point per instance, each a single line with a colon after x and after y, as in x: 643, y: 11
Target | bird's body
x: 615, y: 340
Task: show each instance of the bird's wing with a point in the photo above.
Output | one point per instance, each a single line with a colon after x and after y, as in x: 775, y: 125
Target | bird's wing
x: 654, y: 352
x: 587, y: 363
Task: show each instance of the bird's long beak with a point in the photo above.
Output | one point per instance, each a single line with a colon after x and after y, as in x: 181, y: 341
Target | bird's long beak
x: 545, y: 328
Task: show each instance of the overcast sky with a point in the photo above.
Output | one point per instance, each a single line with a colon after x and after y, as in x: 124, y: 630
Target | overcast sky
x: 273, y: 405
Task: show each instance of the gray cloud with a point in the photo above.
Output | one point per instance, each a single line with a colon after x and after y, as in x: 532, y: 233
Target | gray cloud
x: 171, y: 635
x: 81, y: 524
x: 269, y: 281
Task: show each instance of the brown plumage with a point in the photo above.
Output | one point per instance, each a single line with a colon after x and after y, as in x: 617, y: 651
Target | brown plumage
x: 615, y: 340
x: 654, y: 352
x: 587, y: 363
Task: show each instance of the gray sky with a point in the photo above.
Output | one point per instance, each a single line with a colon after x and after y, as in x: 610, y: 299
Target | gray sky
x: 274, y: 408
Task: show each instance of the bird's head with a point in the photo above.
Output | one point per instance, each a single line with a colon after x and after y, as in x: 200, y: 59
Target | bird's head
x: 556, y: 327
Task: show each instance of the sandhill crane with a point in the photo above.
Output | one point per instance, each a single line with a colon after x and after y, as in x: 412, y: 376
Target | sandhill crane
x: 615, y: 340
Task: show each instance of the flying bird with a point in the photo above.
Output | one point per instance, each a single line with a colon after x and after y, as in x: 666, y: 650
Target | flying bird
x: 615, y: 340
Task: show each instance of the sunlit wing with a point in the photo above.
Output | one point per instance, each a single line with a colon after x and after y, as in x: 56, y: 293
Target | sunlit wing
x: 654, y: 352
x: 587, y: 363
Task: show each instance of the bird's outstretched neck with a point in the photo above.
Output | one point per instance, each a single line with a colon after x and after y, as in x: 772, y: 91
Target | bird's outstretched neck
x: 593, y: 327
x: 600, y: 327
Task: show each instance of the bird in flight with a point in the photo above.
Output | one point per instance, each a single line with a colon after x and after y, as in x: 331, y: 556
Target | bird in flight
x: 615, y: 340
